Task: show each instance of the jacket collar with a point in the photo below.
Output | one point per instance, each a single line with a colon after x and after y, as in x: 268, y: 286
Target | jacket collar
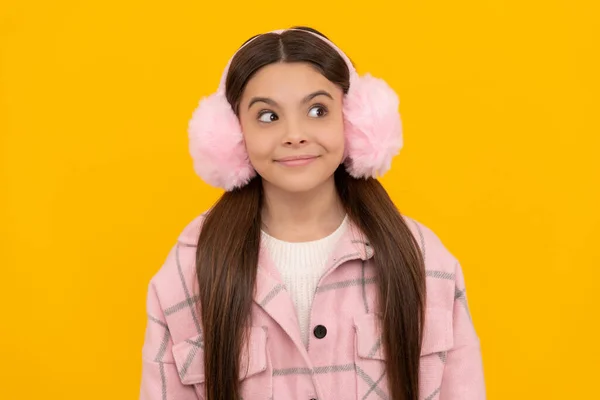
x: 352, y: 244
x: 271, y: 294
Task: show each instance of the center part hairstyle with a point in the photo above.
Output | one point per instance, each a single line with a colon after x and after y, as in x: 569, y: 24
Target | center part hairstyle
x: 229, y: 242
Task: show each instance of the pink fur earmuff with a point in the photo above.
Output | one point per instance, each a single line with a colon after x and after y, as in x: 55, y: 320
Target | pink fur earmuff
x: 372, y: 127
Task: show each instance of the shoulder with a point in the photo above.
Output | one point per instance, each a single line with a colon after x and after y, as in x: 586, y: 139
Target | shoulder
x: 174, y: 285
x: 189, y: 234
x: 182, y: 253
x: 435, y: 252
x: 442, y: 268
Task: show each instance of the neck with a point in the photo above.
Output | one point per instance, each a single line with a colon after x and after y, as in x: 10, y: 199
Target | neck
x: 301, y: 217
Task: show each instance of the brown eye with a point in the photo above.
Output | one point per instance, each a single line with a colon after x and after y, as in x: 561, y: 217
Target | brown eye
x: 267, y: 117
x: 317, y: 111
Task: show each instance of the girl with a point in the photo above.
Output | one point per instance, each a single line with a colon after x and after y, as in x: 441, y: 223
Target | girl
x: 304, y: 281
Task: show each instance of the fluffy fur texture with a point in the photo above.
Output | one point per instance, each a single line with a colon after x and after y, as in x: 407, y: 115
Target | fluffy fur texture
x: 217, y: 144
x: 373, y: 132
x: 373, y: 128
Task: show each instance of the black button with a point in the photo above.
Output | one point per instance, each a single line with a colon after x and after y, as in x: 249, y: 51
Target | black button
x: 320, y: 331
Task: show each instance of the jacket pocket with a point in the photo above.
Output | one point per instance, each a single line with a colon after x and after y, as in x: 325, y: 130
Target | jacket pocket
x: 255, y: 367
x: 370, y: 360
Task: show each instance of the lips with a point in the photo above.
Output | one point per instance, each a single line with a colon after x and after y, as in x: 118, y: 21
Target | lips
x: 294, y: 161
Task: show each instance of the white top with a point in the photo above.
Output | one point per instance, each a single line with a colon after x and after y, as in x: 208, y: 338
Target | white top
x: 301, y: 265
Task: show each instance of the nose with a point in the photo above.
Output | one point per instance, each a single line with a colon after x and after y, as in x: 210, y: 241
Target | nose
x: 294, y: 134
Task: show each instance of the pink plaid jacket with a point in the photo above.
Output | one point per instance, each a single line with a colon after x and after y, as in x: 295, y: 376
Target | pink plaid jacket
x: 346, y: 364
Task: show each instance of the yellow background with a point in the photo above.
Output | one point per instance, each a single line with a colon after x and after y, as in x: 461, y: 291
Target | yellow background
x: 500, y: 110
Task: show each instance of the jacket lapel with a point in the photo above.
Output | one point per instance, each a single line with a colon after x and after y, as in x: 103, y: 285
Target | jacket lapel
x: 353, y: 245
x: 272, y: 296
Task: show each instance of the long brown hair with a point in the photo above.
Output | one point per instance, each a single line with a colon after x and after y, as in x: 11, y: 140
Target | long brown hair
x: 228, y: 246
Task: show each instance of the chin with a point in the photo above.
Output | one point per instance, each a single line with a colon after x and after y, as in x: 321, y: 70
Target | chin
x: 298, y: 184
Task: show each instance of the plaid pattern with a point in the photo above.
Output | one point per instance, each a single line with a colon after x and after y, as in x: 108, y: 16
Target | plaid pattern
x: 346, y: 364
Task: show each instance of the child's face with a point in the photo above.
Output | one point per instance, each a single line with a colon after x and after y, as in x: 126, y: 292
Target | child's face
x: 287, y: 111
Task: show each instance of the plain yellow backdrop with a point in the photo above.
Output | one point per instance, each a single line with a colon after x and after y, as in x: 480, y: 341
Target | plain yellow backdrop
x: 501, y: 159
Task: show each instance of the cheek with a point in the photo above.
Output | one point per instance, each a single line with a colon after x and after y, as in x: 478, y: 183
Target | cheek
x: 258, y: 145
x: 331, y: 136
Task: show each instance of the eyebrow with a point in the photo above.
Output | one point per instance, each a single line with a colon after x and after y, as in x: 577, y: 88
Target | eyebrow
x: 306, y: 99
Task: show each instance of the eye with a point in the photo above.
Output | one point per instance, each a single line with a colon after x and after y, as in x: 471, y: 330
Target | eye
x: 267, y: 116
x: 317, y: 111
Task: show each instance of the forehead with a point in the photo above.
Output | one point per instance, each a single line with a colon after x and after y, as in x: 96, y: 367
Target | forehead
x: 288, y: 81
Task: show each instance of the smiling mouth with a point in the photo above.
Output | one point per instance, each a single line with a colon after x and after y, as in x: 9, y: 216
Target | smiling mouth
x: 296, y: 161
